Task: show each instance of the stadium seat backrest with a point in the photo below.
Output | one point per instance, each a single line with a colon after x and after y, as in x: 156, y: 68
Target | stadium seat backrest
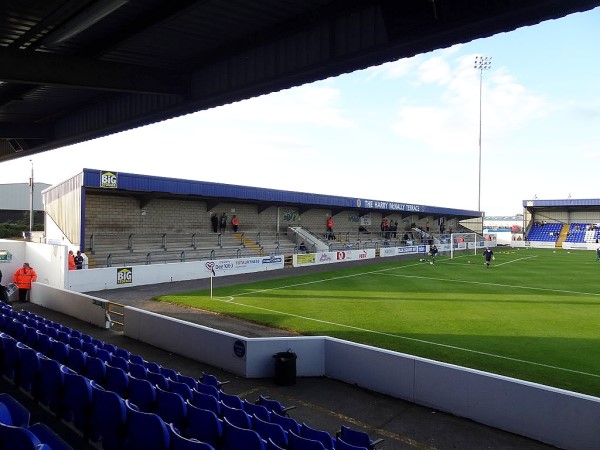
x: 237, y: 417
x: 233, y: 401
x: 18, y: 438
x: 296, y: 442
x: 203, y: 425
x: 236, y: 438
x: 142, y: 394
x: 272, y: 431
x: 318, y: 435
x: 179, y: 442
x: 107, y: 417
x: 116, y: 380
x: 145, y: 430
x: 171, y: 407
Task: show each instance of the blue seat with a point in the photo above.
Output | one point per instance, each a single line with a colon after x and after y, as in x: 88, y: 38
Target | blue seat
x: 256, y: 410
x: 19, y: 438
x: 273, y: 446
x: 152, y: 366
x: 63, y: 337
x: 31, y: 337
x: 237, y: 417
x: 28, y: 369
x: 318, y: 435
x: 10, y: 355
x: 158, y: 379
x: 207, y: 378
x: 190, y: 381
x: 116, y: 380
x: 171, y: 407
x: 179, y: 442
x: 142, y: 394
x: 122, y: 353
x: 296, y: 442
x: 287, y: 423
x: 120, y: 362
x: 233, y: 401
x: 107, y: 418
x: 99, y: 343
x: 138, y: 370
x: 112, y: 349
x: 44, y: 344
x: 18, y: 330
x: 209, y: 389
x: 206, y: 401
x: 46, y: 435
x: 103, y: 354
x: 76, y: 401
x: 341, y: 445
x: 95, y: 369
x: 172, y: 374
x: 272, y: 431
x: 13, y: 412
x: 182, y: 389
x: 60, y: 352
x: 77, y: 360
x: 203, y: 425
x: 357, y: 438
x: 137, y: 359
x: 75, y: 342
x: 236, y: 438
x: 51, y: 384
x: 145, y: 430
x: 274, y: 405
x: 89, y: 348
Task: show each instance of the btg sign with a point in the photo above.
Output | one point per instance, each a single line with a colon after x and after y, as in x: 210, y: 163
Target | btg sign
x: 124, y: 275
x: 108, y: 180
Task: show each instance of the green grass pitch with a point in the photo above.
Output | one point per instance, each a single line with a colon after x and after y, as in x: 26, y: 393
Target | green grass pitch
x: 534, y: 315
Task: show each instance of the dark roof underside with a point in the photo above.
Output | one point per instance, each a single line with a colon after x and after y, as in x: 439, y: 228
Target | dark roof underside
x: 73, y: 70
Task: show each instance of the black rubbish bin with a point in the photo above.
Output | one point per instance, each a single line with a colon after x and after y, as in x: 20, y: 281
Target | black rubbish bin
x: 9, y: 293
x: 285, y: 368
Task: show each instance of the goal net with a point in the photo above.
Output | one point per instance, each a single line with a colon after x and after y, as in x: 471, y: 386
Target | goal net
x: 465, y: 244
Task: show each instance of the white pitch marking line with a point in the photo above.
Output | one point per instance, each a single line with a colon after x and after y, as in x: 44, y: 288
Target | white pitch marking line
x: 327, y: 322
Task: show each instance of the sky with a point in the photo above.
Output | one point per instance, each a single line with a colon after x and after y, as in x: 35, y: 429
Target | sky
x: 405, y: 131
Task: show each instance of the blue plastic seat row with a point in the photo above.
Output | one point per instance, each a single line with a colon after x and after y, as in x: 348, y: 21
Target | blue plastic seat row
x: 17, y: 433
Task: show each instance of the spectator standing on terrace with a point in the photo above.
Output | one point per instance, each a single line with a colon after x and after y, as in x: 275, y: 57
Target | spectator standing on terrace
x: 235, y: 222
x: 330, y: 228
x: 214, y: 220
x: 223, y: 223
x: 23, y: 278
x: 78, y: 260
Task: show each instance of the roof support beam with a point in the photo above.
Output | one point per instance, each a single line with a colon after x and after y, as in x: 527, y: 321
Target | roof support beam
x: 54, y: 70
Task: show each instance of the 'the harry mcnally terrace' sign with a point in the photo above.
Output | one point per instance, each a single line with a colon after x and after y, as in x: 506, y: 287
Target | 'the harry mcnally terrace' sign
x: 375, y: 204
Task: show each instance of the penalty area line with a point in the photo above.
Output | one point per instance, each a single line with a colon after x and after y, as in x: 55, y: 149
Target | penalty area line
x: 422, y: 341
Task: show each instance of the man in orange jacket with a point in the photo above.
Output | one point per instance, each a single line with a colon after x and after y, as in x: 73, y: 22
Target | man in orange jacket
x: 23, y: 278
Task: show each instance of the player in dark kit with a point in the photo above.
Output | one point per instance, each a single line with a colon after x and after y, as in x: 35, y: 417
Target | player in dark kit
x: 488, y: 255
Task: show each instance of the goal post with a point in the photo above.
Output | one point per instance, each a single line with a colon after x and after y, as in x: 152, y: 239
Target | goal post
x: 464, y: 243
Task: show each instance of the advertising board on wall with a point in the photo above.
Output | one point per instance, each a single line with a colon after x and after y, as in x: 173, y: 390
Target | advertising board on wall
x: 333, y: 257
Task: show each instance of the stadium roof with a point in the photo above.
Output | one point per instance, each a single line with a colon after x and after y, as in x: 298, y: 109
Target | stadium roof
x: 73, y: 70
x: 146, y: 188
x: 568, y: 204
